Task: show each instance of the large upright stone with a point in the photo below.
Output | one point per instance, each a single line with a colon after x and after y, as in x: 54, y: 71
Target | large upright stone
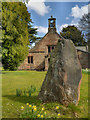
x: 62, y: 82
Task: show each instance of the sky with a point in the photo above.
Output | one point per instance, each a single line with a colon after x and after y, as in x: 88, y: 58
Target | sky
x: 66, y: 13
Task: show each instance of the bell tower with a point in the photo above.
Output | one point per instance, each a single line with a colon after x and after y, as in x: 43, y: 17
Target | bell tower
x: 51, y: 24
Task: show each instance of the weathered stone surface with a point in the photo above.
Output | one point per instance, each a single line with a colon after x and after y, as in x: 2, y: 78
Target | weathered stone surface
x: 62, y: 82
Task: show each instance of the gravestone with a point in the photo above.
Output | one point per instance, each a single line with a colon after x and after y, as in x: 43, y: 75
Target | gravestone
x: 62, y: 81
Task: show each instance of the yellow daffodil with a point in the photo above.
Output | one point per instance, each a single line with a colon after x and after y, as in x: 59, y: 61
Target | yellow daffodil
x: 45, y: 113
x: 57, y: 107
x: 35, y: 109
x: 27, y: 104
x: 34, y: 106
x: 41, y: 116
x: 58, y: 114
x: 22, y: 107
x: 38, y: 115
x: 42, y: 108
x: 30, y: 105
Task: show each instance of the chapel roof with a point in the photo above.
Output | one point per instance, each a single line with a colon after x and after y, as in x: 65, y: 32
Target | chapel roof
x: 50, y: 38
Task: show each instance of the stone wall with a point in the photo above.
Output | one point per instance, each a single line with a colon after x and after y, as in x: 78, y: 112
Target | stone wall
x: 40, y: 51
x: 84, y: 58
x: 49, y: 39
x: 38, y: 62
x: 46, y: 64
x: 41, y: 63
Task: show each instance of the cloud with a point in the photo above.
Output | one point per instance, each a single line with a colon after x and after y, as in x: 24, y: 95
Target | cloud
x: 67, y: 18
x: 42, y: 29
x: 79, y: 12
x: 75, y: 22
x: 61, y: 27
x: 39, y: 7
x: 66, y: 25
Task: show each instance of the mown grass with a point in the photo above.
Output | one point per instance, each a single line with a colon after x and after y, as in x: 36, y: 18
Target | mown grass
x: 11, y: 104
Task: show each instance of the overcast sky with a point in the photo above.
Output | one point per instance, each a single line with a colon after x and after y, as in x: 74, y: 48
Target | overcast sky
x: 66, y: 13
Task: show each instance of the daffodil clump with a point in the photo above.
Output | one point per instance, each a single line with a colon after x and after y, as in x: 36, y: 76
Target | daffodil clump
x: 26, y: 92
x: 32, y: 111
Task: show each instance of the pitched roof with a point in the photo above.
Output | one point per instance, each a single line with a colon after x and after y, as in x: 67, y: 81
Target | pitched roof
x: 50, y: 38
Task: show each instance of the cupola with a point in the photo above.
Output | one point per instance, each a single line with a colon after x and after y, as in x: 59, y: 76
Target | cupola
x: 51, y: 24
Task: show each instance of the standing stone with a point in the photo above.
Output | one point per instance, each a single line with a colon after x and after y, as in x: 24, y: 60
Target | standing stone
x: 62, y: 82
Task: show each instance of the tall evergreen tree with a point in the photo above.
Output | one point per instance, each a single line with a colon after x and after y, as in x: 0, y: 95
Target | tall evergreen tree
x: 17, y: 31
x: 0, y: 30
x: 73, y: 33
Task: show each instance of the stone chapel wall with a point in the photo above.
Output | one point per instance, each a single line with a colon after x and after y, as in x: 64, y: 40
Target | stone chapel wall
x: 84, y: 58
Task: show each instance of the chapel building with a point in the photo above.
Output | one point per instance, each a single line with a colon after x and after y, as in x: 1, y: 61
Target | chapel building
x: 39, y: 56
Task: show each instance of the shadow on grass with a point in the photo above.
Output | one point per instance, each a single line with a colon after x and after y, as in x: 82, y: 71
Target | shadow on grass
x: 70, y: 111
x: 24, y: 99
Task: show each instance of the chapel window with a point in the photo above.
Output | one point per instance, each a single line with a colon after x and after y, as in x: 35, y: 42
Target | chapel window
x: 52, y: 47
x: 30, y: 59
x: 49, y: 49
x: 49, y: 60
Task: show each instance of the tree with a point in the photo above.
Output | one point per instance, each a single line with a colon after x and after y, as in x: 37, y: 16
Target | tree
x: 73, y: 33
x: 84, y: 25
x: 0, y: 31
x: 16, y: 34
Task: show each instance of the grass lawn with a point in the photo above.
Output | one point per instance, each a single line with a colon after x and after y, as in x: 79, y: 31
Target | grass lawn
x: 11, y: 104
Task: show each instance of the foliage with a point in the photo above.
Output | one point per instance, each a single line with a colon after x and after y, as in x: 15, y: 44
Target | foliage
x: 25, y: 92
x: 86, y: 70
x: 11, y: 104
x: 31, y: 89
x: 32, y: 111
x: 73, y: 33
x: 18, y: 92
x: 16, y: 33
x: 84, y: 25
x: 0, y: 30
